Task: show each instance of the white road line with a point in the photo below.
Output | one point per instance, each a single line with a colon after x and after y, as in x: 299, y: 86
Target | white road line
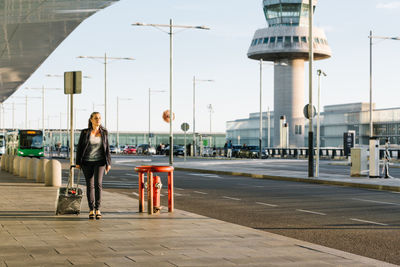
x: 206, y: 175
x: 162, y: 195
x: 131, y: 174
x: 136, y: 194
x: 198, y: 192
x: 177, y: 194
x: 259, y: 186
x: 266, y: 204
x: 395, y: 192
x: 313, y: 212
x: 177, y: 188
x: 374, y: 201
x: 232, y: 198
x: 358, y: 220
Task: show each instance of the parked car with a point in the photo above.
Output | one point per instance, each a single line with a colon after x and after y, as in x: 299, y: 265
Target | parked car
x: 113, y: 149
x: 64, y: 149
x: 178, y: 150
x: 145, y: 149
x: 235, y: 150
x: 208, y: 152
x: 130, y: 150
x: 252, y: 152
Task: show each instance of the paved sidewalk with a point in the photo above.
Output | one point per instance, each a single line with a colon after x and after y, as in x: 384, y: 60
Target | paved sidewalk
x: 31, y: 235
x: 259, y: 169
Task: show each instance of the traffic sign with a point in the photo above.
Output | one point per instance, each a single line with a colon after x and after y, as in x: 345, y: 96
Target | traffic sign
x: 185, y: 126
x: 305, y: 111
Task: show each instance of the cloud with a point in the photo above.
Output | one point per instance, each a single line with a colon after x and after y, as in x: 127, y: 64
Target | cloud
x: 390, y: 5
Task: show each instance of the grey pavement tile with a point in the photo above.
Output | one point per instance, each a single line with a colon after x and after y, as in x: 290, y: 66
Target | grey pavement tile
x: 202, y: 262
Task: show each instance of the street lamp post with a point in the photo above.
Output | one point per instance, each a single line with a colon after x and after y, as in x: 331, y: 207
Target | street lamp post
x: 211, y: 110
x: 118, y: 99
x: 194, y: 110
x: 171, y: 26
x: 319, y: 72
x: 310, y: 89
x: 105, y: 77
x: 151, y: 91
x: 371, y: 131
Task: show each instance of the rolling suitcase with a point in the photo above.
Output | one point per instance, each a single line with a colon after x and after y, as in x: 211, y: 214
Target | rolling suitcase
x: 69, y: 198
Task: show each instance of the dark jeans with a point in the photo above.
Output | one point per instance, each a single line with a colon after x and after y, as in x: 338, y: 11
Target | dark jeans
x: 94, y: 172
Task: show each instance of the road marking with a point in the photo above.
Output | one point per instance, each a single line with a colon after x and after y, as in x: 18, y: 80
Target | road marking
x: 374, y: 201
x: 313, y: 212
x: 206, y: 175
x: 177, y: 188
x: 266, y: 204
x: 259, y: 186
x: 395, y: 192
x: 232, y: 198
x: 177, y: 194
x: 198, y: 192
x: 358, y: 220
x: 136, y: 194
x: 130, y: 174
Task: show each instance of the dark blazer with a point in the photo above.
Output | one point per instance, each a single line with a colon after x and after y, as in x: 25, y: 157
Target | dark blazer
x: 84, y: 143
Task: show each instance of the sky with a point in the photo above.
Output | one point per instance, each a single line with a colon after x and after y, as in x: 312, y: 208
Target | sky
x: 219, y: 54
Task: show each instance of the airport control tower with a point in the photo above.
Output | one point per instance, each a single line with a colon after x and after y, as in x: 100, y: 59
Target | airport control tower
x: 285, y: 42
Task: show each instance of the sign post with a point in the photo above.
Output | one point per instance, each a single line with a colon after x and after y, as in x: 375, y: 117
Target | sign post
x: 72, y: 85
x: 185, y: 128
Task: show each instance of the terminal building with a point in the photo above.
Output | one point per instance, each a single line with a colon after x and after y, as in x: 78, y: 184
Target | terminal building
x: 335, y: 121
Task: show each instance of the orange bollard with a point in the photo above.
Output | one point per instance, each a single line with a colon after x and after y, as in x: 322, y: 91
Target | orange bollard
x: 157, y: 185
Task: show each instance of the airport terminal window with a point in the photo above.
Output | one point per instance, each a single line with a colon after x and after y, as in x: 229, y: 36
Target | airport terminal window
x: 266, y: 40
x: 303, y: 39
x: 260, y: 41
x: 280, y: 39
x: 288, y: 39
x: 272, y: 40
x: 295, y: 39
x: 297, y: 129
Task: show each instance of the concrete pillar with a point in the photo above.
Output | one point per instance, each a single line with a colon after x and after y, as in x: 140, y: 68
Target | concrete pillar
x: 11, y: 163
x: 16, y: 165
x: 289, y: 100
x: 3, y: 159
x: 5, y: 163
x: 40, y: 170
x: 23, y: 167
x: 32, y: 167
x: 53, y: 173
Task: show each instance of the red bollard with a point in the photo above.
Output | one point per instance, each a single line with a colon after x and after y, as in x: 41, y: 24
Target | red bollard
x: 157, y: 185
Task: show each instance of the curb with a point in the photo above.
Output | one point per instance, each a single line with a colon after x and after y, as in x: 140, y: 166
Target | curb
x: 295, y: 179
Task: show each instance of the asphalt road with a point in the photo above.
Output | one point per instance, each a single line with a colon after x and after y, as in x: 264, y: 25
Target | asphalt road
x: 360, y: 221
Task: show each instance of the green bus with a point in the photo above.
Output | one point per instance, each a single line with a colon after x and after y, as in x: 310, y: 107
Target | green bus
x: 25, y: 143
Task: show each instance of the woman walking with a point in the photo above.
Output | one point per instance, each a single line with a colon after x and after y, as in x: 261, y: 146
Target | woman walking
x: 94, y: 158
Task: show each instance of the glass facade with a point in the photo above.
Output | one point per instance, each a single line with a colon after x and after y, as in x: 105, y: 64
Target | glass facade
x: 286, y: 14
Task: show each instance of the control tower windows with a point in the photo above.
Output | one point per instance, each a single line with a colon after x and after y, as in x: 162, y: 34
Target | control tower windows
x: 296, y: 39
x: 288, y: 39
x: 266, y: 40
x: 272, y: 40
x: 291, y: 10
x: 316, y: 40
x: 280, y: 39
x: 260, y: 40
x: 272, y: 11
x: 303, y: 39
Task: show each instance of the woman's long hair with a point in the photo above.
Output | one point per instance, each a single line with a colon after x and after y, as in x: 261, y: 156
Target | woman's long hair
x: 90, y: 126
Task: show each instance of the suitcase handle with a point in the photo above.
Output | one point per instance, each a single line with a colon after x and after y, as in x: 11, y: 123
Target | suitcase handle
x: 69, y: 186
